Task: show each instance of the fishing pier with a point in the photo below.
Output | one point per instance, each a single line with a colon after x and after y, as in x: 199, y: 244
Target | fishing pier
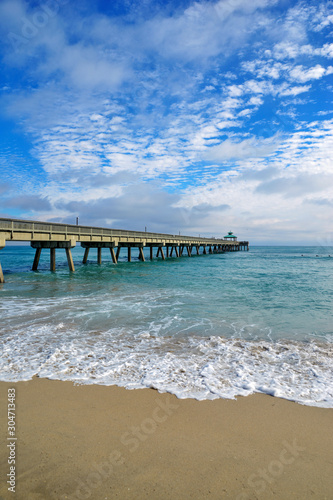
x: 53, y: 236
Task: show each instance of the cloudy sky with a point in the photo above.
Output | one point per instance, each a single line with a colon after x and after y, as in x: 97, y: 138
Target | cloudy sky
x: 199, y: 117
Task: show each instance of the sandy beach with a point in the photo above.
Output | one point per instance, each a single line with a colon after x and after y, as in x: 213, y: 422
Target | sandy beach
x: 99, y: 442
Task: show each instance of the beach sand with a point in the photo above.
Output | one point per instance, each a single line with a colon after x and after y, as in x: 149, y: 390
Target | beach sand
x: 98, y: 442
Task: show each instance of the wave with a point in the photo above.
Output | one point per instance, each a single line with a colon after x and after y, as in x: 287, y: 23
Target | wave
x: 191, y: 367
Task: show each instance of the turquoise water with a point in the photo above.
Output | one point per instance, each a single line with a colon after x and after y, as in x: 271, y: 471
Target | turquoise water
x: 208, y: 326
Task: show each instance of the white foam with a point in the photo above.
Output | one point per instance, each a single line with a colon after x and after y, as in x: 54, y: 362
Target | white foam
x: 192, y: 367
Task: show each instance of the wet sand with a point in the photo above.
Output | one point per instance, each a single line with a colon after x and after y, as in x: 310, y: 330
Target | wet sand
x: 98, y: 442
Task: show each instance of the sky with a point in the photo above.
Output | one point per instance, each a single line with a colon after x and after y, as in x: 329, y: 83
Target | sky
x: 176, y: 116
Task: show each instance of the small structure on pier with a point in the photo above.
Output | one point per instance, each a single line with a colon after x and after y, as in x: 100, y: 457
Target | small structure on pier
x: 230, y: 236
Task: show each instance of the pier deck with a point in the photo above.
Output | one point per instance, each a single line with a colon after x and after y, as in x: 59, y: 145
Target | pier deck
x: 52, y: 236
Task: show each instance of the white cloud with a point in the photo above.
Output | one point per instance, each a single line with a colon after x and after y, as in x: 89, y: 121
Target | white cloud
x: 228, y: 124
x: 235, y: 90
x: 248, y: 148
x: 256, y: 101
x: 296, y: 90
x: 325, y: 20
x: 302, y: 75
x: 287, y: 50
x: 245, y: 112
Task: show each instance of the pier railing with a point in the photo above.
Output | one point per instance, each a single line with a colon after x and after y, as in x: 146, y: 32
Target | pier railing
x: 18, y: 228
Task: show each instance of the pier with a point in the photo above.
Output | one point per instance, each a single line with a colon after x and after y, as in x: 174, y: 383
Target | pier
x: 53, y: 236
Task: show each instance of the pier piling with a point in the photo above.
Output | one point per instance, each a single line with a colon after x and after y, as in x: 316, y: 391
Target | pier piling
x: 52, y: 259
x: 70, y: 260
x: 2, y: 279
x: 113, y: 255
x: 36, y: 259
x: 141, y: 256
x: 85, y: 257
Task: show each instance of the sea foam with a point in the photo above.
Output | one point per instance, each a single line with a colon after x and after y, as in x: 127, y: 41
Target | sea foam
x: 192, y: 367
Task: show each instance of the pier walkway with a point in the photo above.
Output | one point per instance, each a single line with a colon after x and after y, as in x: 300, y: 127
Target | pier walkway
x: 45, y: 235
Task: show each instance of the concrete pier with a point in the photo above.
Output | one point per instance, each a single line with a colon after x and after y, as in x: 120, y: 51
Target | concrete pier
x: 50, y: 236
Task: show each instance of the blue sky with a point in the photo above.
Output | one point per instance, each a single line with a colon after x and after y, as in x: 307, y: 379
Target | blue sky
x: 199, y: 117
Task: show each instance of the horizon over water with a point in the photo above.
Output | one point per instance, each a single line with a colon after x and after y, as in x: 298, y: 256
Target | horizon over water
x: 204, y: 327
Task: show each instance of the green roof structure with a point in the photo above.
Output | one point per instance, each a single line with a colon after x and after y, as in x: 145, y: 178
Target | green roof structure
x: 230, y: 236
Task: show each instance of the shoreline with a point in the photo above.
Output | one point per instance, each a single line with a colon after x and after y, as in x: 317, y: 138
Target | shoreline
x: 105, y: 442
x: 202, y: 368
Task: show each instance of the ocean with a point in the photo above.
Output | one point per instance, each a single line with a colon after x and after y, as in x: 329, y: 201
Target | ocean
x: 205, y: 327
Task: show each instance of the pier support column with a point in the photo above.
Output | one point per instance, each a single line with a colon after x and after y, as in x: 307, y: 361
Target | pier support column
x: 174, y: 248
x: 2, y: 279
x: 160, y: 251
x: 52, y: 259
x: 129, y: 258
x: 99, y: 255
x: 70, y: 260
x: 151, y: 253
x: 118, y: 252
x: 204, y: 250
x: 85, y: 257
x: 198, y: 249
x: 113, y: 255
x: 36, y: 259
x: 189, y: 250
x: 2, y: 245
x: 167, y: 251
x: 210, y: 249
x: 141, y: 256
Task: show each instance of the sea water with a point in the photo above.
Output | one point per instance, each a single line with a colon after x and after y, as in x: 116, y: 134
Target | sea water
x: 205, y: 327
